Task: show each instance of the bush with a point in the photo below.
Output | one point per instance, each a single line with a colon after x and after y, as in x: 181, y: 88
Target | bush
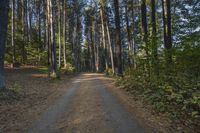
x: 177, y: 94
x: 109, y: 72
x: 69, y: 69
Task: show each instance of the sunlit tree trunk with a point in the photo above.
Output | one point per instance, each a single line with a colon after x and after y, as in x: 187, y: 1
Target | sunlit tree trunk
x: 103, y: 37
x: 64, y: 32
x: 52, y: 40
x: 110, y: 47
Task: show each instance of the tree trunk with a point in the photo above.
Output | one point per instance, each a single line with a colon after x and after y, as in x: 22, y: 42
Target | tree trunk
x: 110, y: 47
x: 134, y: 33
x: 64, y: 32
x: 154, y: 39
x: 144, y: 21
x: 13, y: 35
x: 127, y: 27
x: 167, y: 31
x: 52, y: 41
x: 23, y: 31
x: 4, y: 6
x: 118, y: 39
x: 59, y: 33
x: 145, y: 35
x: 30, y: 20
x: 169, y: 34
x: 103, y: 37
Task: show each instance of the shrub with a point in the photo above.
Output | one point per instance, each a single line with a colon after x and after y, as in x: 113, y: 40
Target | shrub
x: 69, y: 69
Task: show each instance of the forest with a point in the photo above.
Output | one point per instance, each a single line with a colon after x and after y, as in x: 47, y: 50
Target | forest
x: 150, y: 48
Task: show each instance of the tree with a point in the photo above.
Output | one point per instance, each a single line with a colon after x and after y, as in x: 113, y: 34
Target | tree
x: 13, y: 35
x: 166, y: 7
x: 51, y: 40
x: 64, y: 33
x: 4, y: 6
x: 118, y: 39
x: 145, y: 35
x: 103, y: 33
x: 110, y: 47
x: 154, y: 38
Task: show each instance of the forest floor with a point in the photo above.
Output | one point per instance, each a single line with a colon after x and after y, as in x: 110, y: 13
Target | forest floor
x: 83, y: 103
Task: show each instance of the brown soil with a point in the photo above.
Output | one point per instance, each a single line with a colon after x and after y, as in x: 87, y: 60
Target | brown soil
x: 36, y: 93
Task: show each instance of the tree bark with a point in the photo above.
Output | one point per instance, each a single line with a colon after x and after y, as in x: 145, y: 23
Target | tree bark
x: 110, y: 47
x: 145, y: 35
x: 52, y: 41
x: 166, y: 7
x: 169, y: 34
x: 118, y: 39
x: 103, y: 36
x: 133, y: 34
x: 59, y: 33
x: 13, y: 35
x: 64, y: 33
x: 4, y: 6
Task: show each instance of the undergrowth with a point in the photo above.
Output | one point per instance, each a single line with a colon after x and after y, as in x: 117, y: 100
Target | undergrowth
x: 175, y: 94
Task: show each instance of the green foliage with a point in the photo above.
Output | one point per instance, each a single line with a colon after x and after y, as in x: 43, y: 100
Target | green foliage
x: 109, y: 72
x: 177, y: 93
x: 36, y: 56
x: 69, y: 69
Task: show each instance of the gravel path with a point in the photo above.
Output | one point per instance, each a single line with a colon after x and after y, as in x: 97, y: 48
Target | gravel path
x: 86, y: 107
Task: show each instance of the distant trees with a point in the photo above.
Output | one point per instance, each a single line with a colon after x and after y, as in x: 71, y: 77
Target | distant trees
x: 3, y: 34
x: 103, y: 35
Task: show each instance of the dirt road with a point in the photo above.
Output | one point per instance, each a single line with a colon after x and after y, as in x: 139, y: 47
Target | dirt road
x: 87, y: 107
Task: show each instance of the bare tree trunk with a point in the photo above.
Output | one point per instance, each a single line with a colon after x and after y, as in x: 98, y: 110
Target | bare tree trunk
x: 39, y: 21
x: 30, y: 20
x: 128, y: 34
x: 110, y: 47
x: 64, y: 32
x: 23, y: 30
x: 59, y: 33
x: 118, y: 39
x: 103, y: 37
x: 128, y: 28
x: 145, y: 36
x: 169, y: 33
x: 52, y: 41
x: 48, y: 36
x: 92, y: 47
x: 4, y: 6
x: 133, y: 39
x: 166, y: 7
x: 13, y: 35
